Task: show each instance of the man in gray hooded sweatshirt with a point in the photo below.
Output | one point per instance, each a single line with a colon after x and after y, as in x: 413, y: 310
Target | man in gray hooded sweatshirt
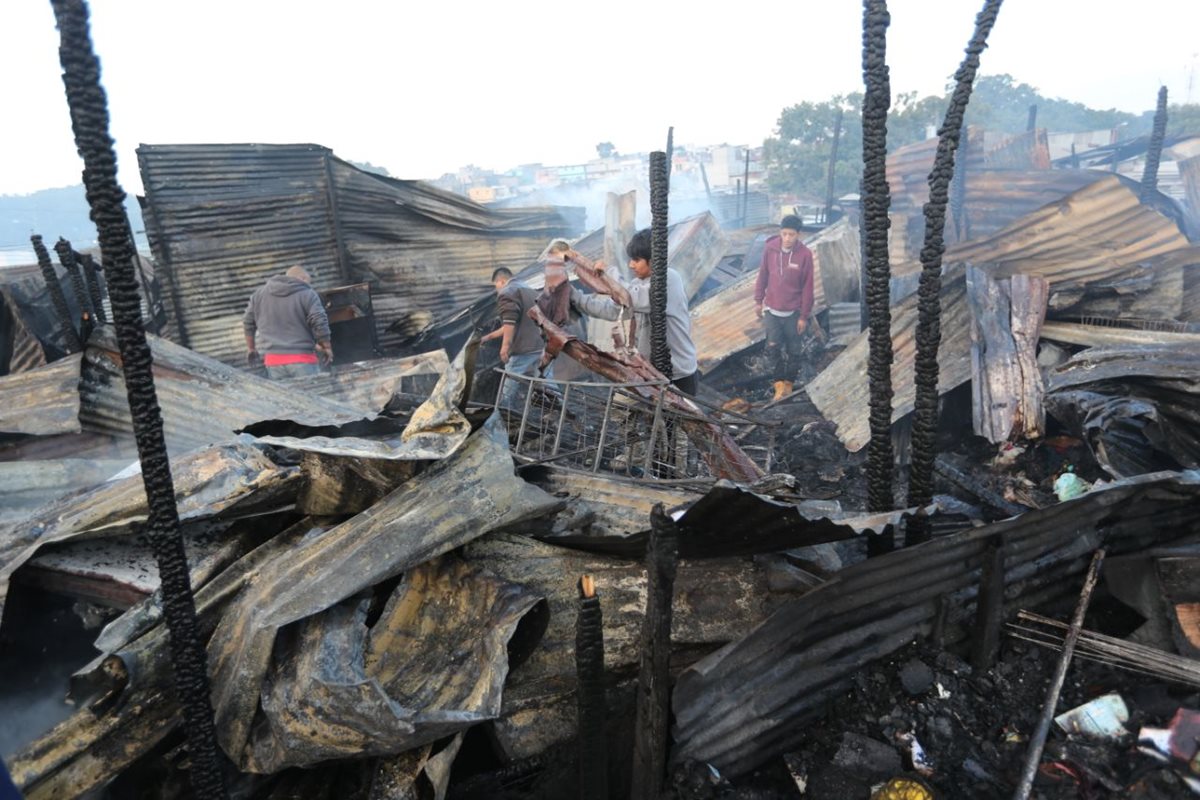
x: 289, y: 320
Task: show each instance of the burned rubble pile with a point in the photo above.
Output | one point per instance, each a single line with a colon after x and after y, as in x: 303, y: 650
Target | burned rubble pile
x: 409, y: 583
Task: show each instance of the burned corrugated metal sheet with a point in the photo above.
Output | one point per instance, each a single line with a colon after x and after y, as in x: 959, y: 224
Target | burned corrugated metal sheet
x: 370, y: 385
x: 840, y: 392
x: 1100, y: 231
x: 222, y: 218
x: 1133, y: 404
x: 426, y: 251
x: 432, y: 665
x: 714, y: 602
x: 231, y: 480
x: 452, y: 502
x: 27, y: 485
x: 203, y: 401
x: 748, y: 702
x: 436, y: 429
x: 42, y: 401
x: 724, y: 323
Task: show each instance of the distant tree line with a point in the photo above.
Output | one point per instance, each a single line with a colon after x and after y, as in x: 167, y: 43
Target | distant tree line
x: 53, y: 213
x: 797, y: 156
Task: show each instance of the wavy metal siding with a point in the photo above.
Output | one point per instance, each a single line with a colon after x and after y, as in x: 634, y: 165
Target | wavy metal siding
x: 203, y: 401
x: 427, y: 252
x: 224, y: 218
x: 750, y: 700
x: 42, y: 401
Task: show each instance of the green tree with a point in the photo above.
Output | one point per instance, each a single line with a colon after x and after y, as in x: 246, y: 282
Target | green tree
x: 606, y: 150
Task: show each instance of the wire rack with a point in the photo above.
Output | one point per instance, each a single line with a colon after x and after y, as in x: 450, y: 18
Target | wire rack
x: 628, y: 429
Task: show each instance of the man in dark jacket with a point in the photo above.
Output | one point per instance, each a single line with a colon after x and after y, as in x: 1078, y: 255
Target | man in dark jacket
x: 520, y: 338
x: 288, y: 318
x: 785, y: 292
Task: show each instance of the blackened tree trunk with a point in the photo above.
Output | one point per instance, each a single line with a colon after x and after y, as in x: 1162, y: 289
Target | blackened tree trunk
x: 660, y: 354
x: 1154, y: 154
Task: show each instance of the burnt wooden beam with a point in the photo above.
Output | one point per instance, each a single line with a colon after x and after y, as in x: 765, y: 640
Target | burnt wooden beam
x: 654, y: 678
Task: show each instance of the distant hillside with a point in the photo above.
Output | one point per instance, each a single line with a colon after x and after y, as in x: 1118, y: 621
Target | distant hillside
x: 53, y: 213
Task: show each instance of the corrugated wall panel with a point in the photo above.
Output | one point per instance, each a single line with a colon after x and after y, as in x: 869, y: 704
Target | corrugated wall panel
x: 224, y: 218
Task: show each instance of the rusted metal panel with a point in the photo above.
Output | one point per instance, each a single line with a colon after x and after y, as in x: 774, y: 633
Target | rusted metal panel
x: 426, y: 251
x: 748, y: 702
x: 452, y: 502
x: 1098, y: 232
x: 42, y: 401
x: 203, y: 401
x: 1189, y: 176
x: 724, y: 323
x: 26, y: 485
x: 370, y: 385
x: 224, y: 218
x: 433, y: 665
x: 840, y: 391
x: 228, y: 480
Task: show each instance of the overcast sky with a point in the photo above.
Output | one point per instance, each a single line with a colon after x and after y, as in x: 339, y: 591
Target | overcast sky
x: 422, y: 88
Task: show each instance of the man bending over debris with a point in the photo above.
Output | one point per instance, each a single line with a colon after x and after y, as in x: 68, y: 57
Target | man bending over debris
x: 679, y: 322
x: 286, y: 313
x: 520, y: 338
x: 785, y: 291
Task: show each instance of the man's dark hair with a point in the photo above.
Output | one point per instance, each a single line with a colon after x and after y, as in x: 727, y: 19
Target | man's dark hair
x: 639, y: 245
x: 792, y: 222
x: 501, y: 272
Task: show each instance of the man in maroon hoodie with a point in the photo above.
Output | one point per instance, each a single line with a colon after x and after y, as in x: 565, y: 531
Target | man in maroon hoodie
x: 785, y: 292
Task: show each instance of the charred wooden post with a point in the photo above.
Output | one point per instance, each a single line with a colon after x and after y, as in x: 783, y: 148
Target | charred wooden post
x: 660, y: 354
x: 1031, y: 123
x: 95, y: 291
x: 958, y: 196
x: 670, y: 152
x: 876, y: 199
x: 929, y: 300
x: 989, y: 610
x: 746, y: 188
x: 654, y: 678
x: 1154, y: 153
x: 90, y: 123
x: 833, y: 154
x: 66, y: 257
x: 58, y: 300
x: 1038, y: 739
x: 592, y: 706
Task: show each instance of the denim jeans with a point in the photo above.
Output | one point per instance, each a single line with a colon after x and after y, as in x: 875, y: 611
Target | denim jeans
x: 523, y: 364
x: 784, y: 345
x: 292, y: 371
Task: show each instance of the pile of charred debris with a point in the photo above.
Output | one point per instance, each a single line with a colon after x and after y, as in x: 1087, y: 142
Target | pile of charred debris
x: 405, y: 592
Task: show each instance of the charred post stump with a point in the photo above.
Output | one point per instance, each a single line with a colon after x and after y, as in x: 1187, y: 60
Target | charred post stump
x: 90, y: 124
x: 66, y: 257
x: 929, y: 299
x: 654, y: 677
x: 876, y: 199
x: 91, y: 273
x: 1154, y: 153
x: 592, y: 707
x: 58, y: 300
x: 833, y: 156
x: 989, y: 610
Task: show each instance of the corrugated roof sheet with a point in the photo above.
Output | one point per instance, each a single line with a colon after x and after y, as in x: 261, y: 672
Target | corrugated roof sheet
x: 222, y: 218
x: 1101, y: 232
x: 749, y: 701
x: 369, y: 385
x: 42, y: 401
x: 203, y: 401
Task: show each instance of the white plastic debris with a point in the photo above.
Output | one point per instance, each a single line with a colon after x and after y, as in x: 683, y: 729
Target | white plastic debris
x: 1102, y: 718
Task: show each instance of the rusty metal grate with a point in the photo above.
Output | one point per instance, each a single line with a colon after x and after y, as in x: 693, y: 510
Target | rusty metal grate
x: 614, y: 428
